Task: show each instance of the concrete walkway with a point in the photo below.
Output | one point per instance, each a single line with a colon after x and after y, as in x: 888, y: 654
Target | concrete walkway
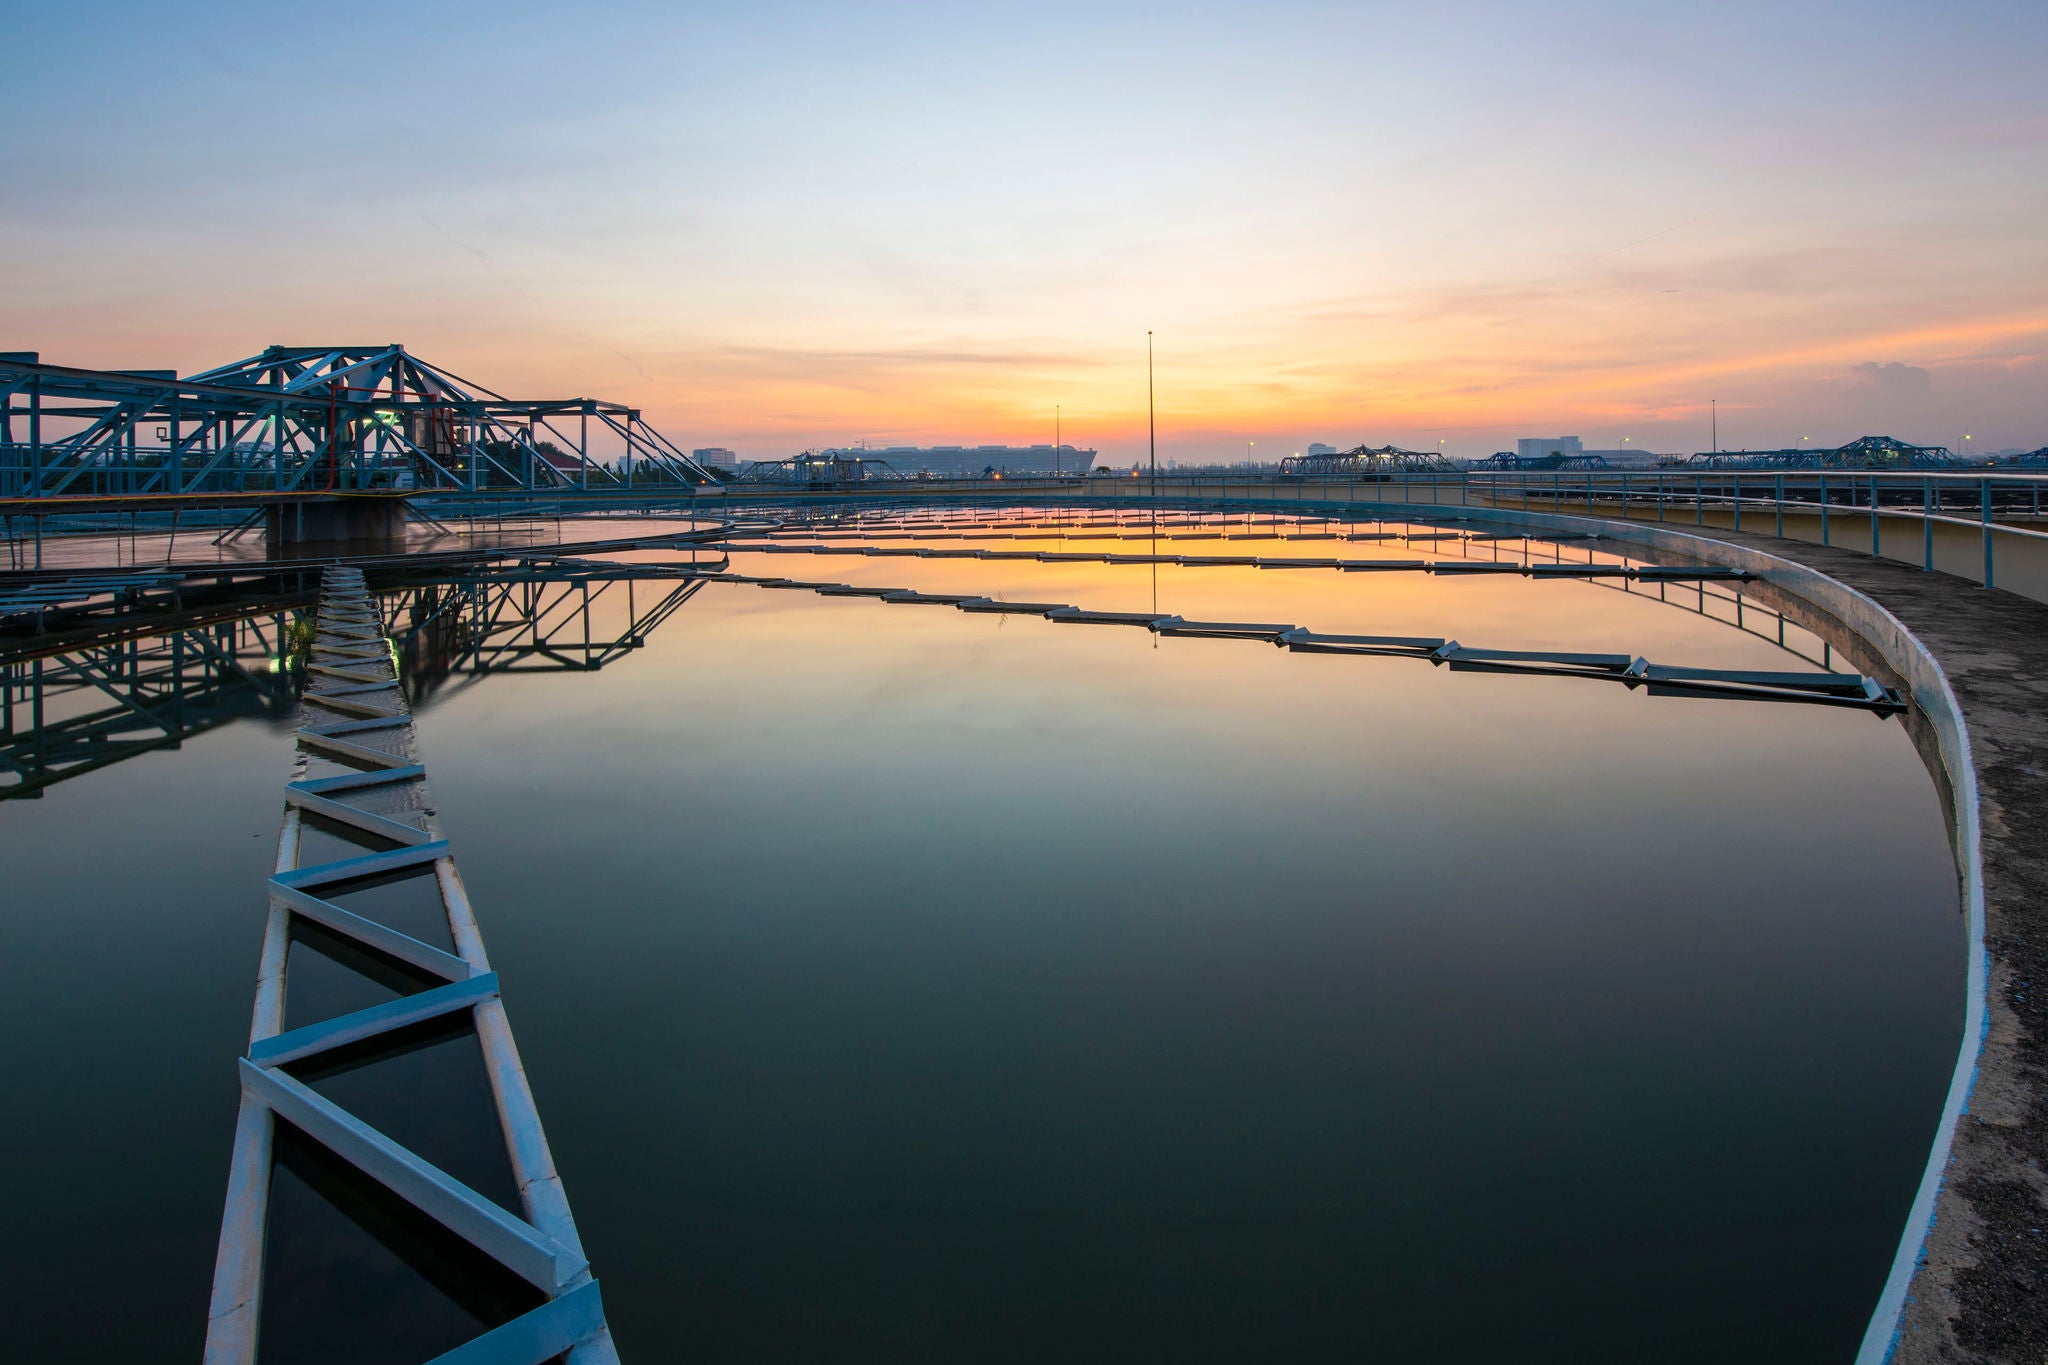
x: 1981, y: 1294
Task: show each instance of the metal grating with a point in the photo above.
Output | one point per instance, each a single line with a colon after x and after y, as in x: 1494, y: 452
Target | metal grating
x: 356, y: 713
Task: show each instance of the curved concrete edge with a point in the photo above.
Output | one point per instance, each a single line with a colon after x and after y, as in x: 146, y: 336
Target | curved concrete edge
x: 1932, y: 695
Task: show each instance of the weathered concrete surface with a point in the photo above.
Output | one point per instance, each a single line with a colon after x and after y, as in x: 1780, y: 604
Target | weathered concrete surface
x: 1981, y: 1294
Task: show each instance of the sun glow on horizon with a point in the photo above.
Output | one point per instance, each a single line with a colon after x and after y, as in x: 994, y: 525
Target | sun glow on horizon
x: 989, y: 226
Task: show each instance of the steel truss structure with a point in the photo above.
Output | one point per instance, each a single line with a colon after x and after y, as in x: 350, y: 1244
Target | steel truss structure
x: 1363, y: 462
x: 1866, y: 452
x: 2031, y: 459
x: 309, y: 420
x: 813, y: 469
x: 356, y: 716
x: 1507, y: 460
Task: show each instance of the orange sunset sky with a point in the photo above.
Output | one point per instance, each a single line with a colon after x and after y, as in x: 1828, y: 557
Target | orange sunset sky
x: 826, y: 224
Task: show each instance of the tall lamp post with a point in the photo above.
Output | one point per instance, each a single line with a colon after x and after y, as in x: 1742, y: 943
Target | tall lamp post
x: 1151, y: 423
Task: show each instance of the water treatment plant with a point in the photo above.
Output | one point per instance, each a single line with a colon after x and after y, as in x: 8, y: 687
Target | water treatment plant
x: 1603, y: 894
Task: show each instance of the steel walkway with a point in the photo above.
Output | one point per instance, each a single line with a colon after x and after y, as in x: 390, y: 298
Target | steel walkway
x: 356, y: 718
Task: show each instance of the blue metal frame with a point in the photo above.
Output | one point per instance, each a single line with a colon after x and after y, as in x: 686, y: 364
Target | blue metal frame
x: 309, y: 420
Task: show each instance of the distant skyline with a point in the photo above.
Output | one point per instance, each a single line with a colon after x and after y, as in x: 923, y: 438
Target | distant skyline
x: 809, y: 225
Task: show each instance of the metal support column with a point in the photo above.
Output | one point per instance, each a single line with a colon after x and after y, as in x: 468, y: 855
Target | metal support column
x: 35, y: 451
x: 1927, y: 525
x: 1984, y: 487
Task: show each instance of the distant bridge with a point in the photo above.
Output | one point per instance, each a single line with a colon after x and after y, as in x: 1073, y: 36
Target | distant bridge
x: 1557, y: 459
x: 1867, y: 452
x: 1364, y: 462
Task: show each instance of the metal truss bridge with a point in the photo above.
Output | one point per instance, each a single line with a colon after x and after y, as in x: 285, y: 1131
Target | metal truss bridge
x: 1508, y: 461
x: 1364, y: 462
x: 814, y: 469
x: 310, y: 420
x: 1867, y: 452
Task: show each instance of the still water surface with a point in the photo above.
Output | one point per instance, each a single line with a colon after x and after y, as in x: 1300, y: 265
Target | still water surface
x: 903, y: 984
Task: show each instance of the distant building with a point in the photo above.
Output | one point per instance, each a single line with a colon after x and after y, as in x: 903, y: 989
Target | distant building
x: 716, y: 456
x: 558, y: 459
x: 971, y: 462
x: 1540, y: 447
x: 1318, y: 448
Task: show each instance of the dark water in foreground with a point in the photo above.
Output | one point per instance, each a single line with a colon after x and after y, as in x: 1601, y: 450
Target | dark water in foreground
x: 898, y: 984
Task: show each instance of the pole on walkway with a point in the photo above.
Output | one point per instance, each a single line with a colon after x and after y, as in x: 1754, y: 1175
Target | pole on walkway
x: 1927, y: 525
x: 1876, y: 544
x: 1984, y: 486
x: 1781, y: 506
x: 1823, y: 509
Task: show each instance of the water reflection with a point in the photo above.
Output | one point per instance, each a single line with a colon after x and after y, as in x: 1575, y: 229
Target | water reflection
x: 68, y: 712
x: 524, y: 619
x: 997, y: 989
